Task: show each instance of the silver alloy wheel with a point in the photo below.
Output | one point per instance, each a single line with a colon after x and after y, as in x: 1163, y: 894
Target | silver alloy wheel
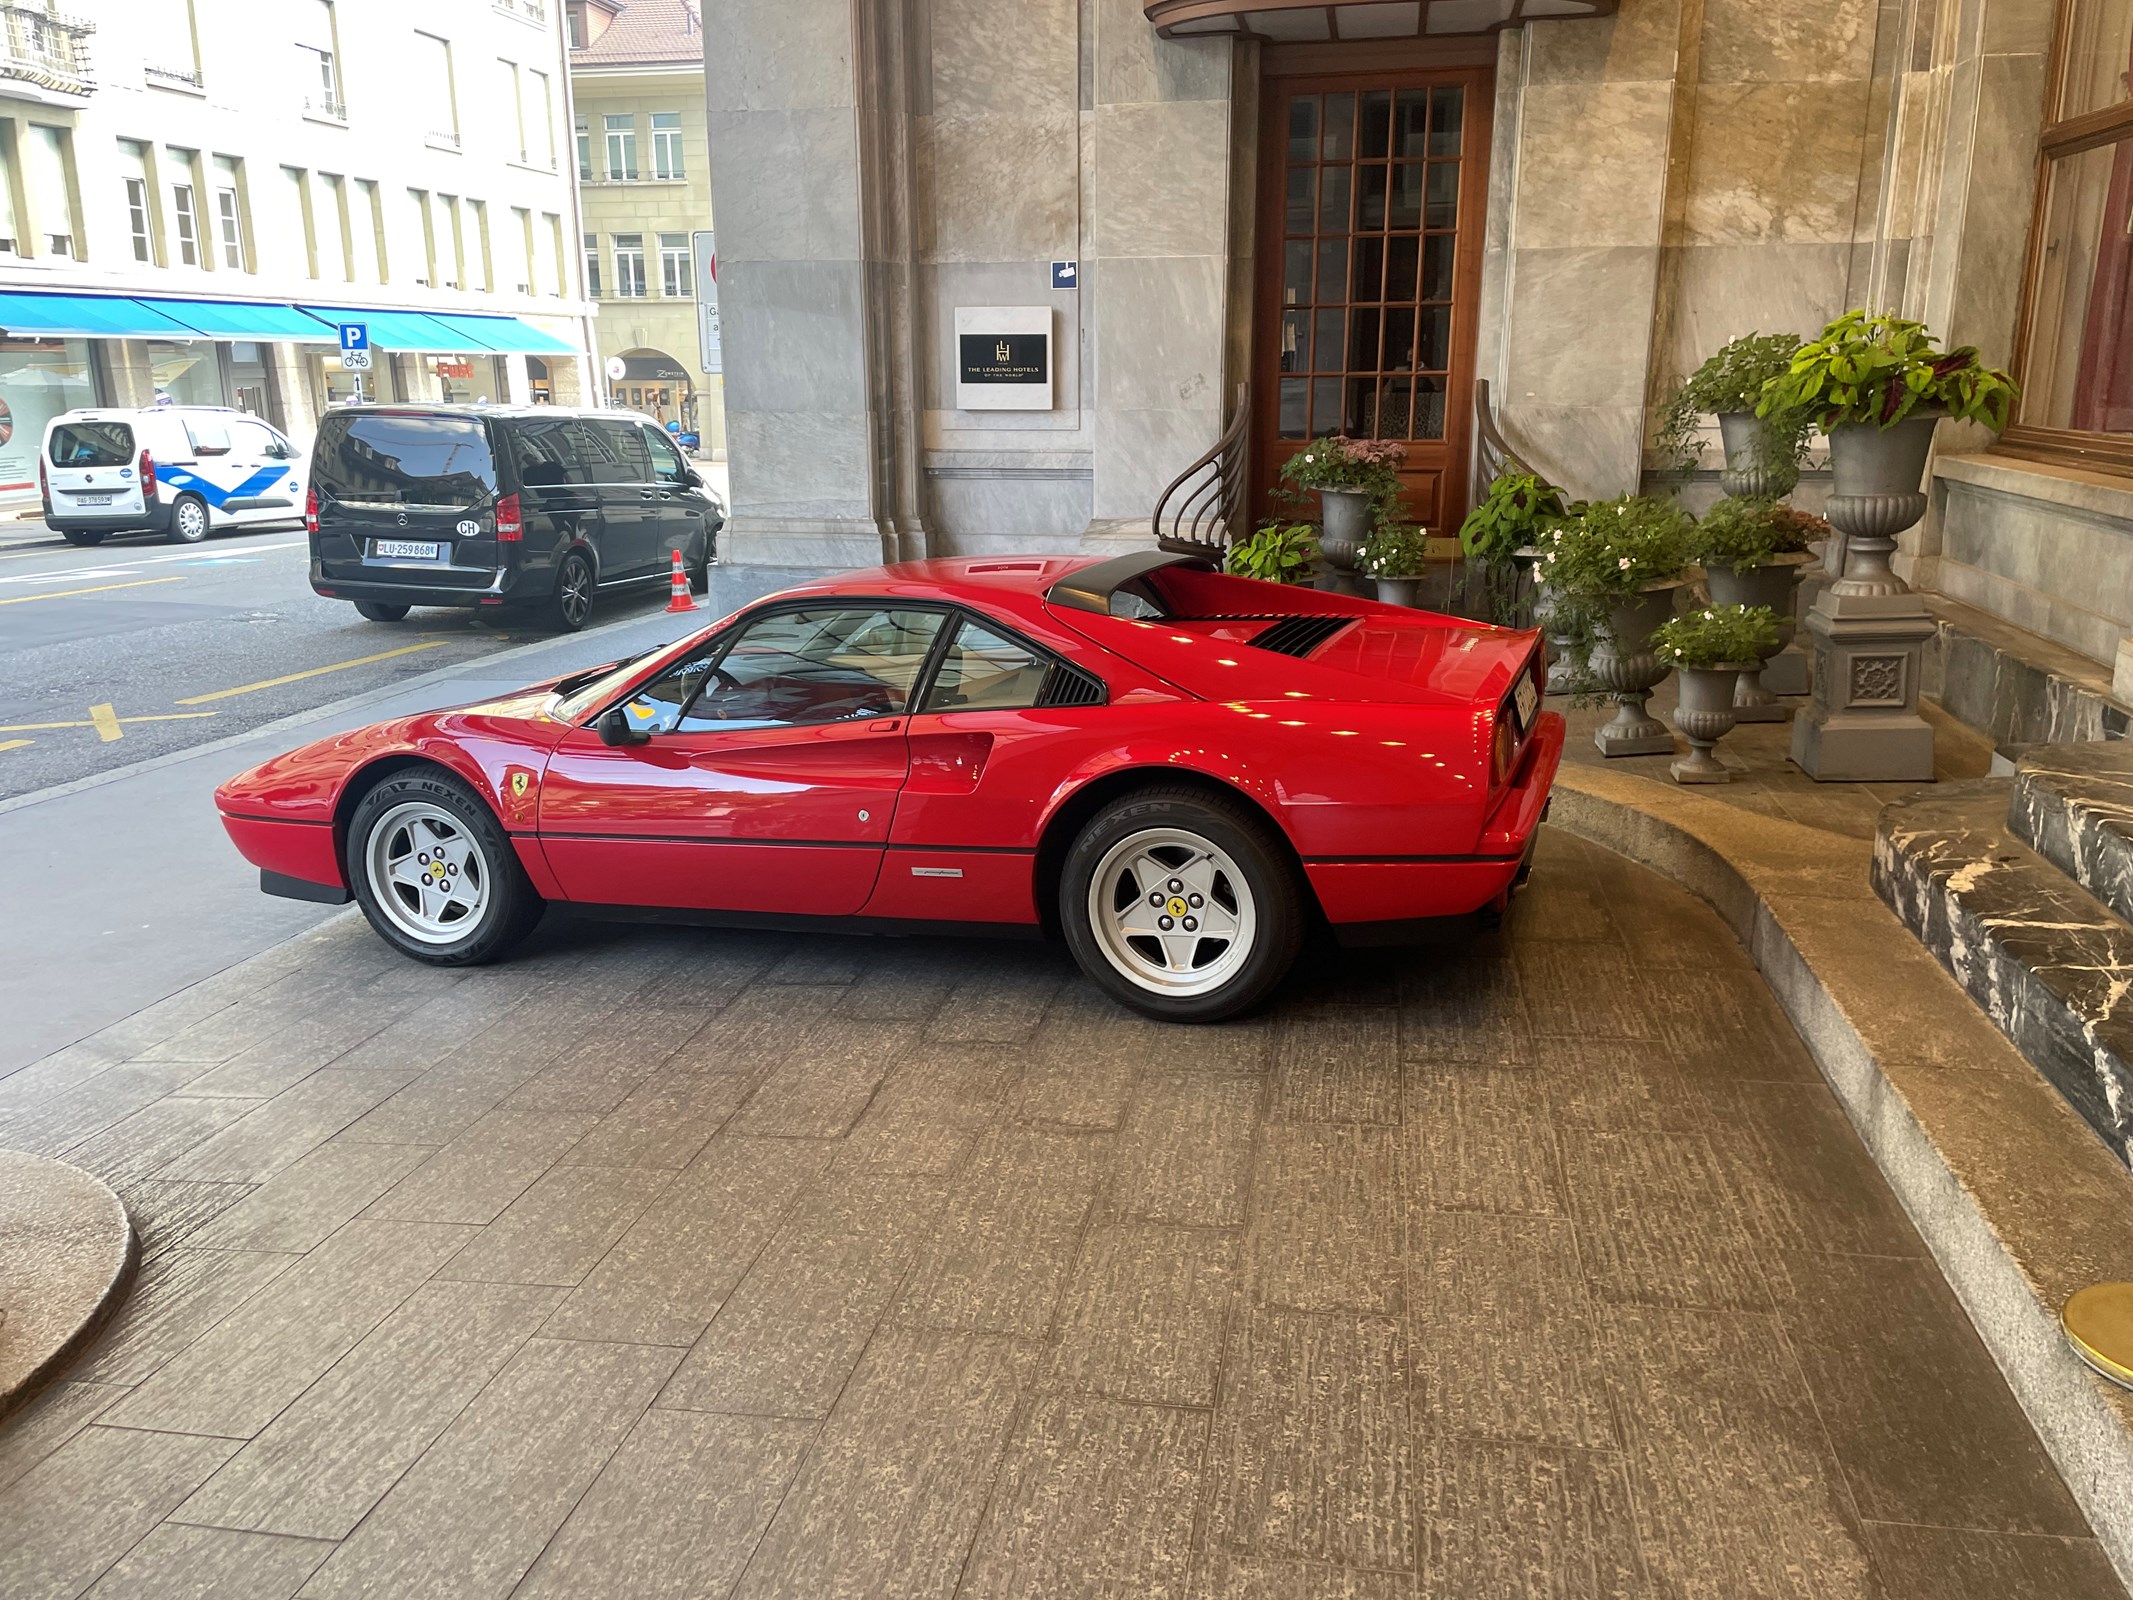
x: 575, y: 592
x: 192, y: 520
x: 427, y: 872
x: 1172, y: 912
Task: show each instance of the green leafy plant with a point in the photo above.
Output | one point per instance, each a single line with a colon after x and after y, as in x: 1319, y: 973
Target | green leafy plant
x: 1717, y: 636
x: 1277, y: 553
x: 1743, y: 534
x: 1397, y: 550
x: 1608, y: 552
x: 1337, y: 462
x: 1882, y: 369
x: 1519, y: 509
x: 1734, y: 381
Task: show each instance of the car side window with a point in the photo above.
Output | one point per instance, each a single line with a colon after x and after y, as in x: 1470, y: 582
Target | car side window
x: 255, y: 439
x: 816, y: 664
x: 619, y: 452
x: 547, y: 451
x: 985, y: 671
x: 667, y: 465
x: 208, y: 439
x: 657, y: 707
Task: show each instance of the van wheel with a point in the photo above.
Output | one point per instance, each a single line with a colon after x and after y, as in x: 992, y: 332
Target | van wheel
x: 188, y: 520
x: 572, y: 605
x: 85, y: 540
x: 700, y: 568
x: 379, y: 611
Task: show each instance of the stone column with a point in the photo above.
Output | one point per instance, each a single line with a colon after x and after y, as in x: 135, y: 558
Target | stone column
x: 289, y: 368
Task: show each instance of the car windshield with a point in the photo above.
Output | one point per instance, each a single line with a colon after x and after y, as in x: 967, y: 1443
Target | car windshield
x: 581, y: 693
x: 92, y: 444
x: 404, y: 459
x: 1137, y: 598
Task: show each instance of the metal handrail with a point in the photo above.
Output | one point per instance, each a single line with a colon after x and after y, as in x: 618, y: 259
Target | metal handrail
x: 45, y: 47
x: 1203, y: 509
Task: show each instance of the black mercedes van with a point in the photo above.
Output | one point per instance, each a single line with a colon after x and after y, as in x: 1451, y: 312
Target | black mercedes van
x: 530, y: 508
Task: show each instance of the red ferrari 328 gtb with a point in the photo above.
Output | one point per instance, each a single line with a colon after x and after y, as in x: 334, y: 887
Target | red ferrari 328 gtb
x: 1172, y: 768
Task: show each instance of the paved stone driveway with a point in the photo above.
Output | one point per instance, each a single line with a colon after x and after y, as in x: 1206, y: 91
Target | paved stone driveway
x: 670, y: 1263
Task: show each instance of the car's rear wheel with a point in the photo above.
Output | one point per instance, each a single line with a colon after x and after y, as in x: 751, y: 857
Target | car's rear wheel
x: 379, y: 611
x: 435, y: 873
x: 571, y: 607
x: 1181, y: 905
x: 83, y: 539
x: 188, y: 520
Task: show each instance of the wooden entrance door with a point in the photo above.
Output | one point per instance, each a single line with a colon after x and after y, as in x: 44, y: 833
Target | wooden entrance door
x: 1372, y: 193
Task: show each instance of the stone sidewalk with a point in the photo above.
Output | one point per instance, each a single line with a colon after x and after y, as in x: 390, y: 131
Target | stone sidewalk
x: 664, y: 1262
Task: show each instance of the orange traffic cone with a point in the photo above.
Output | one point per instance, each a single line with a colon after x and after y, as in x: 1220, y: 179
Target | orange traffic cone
x: 682, y: 600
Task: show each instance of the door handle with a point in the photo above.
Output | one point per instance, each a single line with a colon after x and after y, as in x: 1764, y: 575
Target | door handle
x: 644, y: 494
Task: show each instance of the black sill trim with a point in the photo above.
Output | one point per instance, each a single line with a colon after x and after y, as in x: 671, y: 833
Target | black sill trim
x: 1402, y: 861
x: 293, y: 822
x: 280, y: 883
x: 783, y: 922
x: 793, y: 844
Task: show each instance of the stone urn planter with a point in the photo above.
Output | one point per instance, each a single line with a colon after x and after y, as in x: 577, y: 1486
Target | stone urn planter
x: 1756, y: 467
x: 1624, y: 666
x: 1705, y: 716
x: 1399, y: 591
x: 1774, y: 584
x: 1877, y: 494
x: 1563, y: 677
x: 1342, y: 532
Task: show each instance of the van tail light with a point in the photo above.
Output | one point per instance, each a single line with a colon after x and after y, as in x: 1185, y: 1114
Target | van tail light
x: 148, y: 475
x: 311, y: 511
x: 509, y: 528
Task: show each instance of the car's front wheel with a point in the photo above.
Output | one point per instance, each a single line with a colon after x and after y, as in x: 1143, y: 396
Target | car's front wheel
x: 435, y: 873
x: 1181, y: 905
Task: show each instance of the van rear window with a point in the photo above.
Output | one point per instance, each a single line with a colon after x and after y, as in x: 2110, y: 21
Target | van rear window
x: 92, y: 444
x: 405, y: 460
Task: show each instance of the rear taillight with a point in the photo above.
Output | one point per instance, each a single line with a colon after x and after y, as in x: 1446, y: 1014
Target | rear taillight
x: 1506, y: 750
x: 509, y: 529
x: 311, y: 511
x: 148, y: 475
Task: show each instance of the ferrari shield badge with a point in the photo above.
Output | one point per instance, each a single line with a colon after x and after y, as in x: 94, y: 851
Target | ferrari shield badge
x: 519, y: 781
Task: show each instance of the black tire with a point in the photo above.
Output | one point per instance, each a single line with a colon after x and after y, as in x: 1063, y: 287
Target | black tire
x: 379, y: 611
x: 1270, y: 877
x: 509, y: 907
x: 571, y: 606
x: 188, y: 520
x: 700, y: 568
x: 85, y: 540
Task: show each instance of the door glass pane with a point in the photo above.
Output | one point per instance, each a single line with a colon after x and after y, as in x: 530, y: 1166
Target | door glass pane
x: 1360, y: 419
x: 1407, y: 195
x: 1399, y: 338
x: 1370, y: 214
x: 1325, y: 405
x: 1429, y: 408
x: 1374, y: 140
x: 1447, y: 117
x: 1410, y: 125
x: 1295, y: 342
x: 1400, y: 253
x: 1295, y: 421
x: 2099, y: 55
x: 1369, y: 269
x: 1363, y: 339
x: 1444, y: 194
x: 1331, y: 327
x: 1340, y: 127
x: 984, y: 672
x: 2080, y: 361
x: 825, y: 664
x: 1303, y: 185
x: 1333, y: 200
x: 1439, y: 253
x: 1332, y: 270
x: 1296, y: 273
x: 1434, y: 350
x: 1303, y: 128
x: 1396, y: 401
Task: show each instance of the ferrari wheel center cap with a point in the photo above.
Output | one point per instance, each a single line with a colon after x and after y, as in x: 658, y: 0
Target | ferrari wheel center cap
x: 1176, y: 906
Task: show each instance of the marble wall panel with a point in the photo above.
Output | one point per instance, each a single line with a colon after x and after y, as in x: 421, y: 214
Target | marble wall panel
x: 810, y: 464
x: 1004, y: 55
x: 1593, y: 171
x: 1639, y: 43
x: 1159, y: 334
x: 1716, y: 293
x: 1775, y: 162
x: 1129, y: 62
x: 996, y: 185
x: 1799, y: 41
x: 787, y: 184
x: 1138, y: 453
x: 1581, y: 324
x: 794, y: 55
x: 1993, y: 240
x: 1595, y: 452
x: 1000, y: 511
x: 2017, y: 27
x: 1162, y: 179
x: 943, y: 286
x: 801, y: 339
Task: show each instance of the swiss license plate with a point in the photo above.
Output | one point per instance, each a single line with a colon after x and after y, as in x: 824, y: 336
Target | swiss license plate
x: 1528, y: 700
x: 92, y: 499
x: 415, y: 549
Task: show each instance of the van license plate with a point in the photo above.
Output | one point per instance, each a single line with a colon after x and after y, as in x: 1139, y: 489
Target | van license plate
x: 1528, y: 699
x: 92, y: 499
x: 404, y: 547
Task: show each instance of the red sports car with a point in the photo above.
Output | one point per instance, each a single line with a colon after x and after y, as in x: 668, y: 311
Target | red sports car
x: 1174, y: 769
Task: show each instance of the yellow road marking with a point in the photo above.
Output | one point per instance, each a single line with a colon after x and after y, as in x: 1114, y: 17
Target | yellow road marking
x: 39, y: 727
x: 106, y: 723
x: 15, y: 744
x: 297, y: 677
x: 62, y: 594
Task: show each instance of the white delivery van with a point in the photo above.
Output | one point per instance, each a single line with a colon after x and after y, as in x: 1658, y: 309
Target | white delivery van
x: 181, y: 471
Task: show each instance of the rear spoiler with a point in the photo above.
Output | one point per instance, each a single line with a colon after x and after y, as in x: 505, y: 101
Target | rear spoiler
x: 1091, y: 588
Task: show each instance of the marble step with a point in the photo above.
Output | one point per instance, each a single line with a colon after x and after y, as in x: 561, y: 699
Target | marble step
x: 2048, y: 962
x: 2073, y: 805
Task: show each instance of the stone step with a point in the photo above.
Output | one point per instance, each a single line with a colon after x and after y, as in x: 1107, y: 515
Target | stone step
x: 2073, y: 805
x: 2048, y: 962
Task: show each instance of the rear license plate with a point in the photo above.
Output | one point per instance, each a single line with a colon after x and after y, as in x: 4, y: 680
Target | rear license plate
x: 1528, y: 700
x: 92, y: 499
x: 412, y: 548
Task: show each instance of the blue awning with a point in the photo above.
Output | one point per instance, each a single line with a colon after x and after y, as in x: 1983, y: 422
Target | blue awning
x: 230, y: 319
x: 509, y: 334
x: 399, y: 330
x: 87, y: 316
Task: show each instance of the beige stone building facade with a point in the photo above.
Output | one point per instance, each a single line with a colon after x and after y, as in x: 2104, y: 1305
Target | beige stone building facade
x: 637, y: 87
x: 1350, y: 213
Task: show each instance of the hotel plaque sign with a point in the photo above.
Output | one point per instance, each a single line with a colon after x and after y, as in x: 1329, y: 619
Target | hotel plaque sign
x: 1003, y: 358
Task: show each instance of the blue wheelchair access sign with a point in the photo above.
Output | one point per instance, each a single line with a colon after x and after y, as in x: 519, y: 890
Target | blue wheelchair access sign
x: 355, y: 335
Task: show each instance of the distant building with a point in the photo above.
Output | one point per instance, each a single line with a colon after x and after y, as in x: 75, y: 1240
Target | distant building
x: 644, y: 180
x: 193, y: 193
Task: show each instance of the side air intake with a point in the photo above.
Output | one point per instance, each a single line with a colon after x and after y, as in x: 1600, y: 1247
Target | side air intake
x: 1299, y: 636
x: 1070, y: 686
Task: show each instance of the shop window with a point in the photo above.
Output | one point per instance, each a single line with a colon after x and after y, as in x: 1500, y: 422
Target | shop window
x: 629, y: 266
x: 674, y: 273
x: 621, y: 147
x: 39, y: 380
x: 666, y: 144
x: 2076, y: 349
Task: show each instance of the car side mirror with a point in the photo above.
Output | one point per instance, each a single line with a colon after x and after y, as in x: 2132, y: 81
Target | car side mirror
x: 616, y: 730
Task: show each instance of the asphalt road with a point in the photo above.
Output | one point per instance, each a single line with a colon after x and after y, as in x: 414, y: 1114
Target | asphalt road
x: 138, y: 648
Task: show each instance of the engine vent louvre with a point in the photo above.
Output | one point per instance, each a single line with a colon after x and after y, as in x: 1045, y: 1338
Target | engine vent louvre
x: 1070, y: 686
x: 1299, y: 636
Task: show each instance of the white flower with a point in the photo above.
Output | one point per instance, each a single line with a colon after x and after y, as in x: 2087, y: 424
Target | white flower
x: 1623, y: 563
x: 1551, y: 555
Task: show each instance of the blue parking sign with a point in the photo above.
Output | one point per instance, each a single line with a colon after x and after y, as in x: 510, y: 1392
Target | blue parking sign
x: 355, y: 335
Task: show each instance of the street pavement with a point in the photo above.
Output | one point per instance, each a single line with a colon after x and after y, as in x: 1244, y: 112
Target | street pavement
x: 665, y: 1262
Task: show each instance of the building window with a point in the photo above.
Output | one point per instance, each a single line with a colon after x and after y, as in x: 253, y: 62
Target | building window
x: 629, y: 266
x: 318, y: 59
x: 621, y: 147
x: 185, y: 223
x: 542, y: 117
x: 574, y: 16
x: 170, y: 47
x: 10, y: 240
x: 585, y: 151
x: 478, y: 214
x: 137, y: 219
x: 524, y: 218
x: 330, y: 209
x: 2076, y: 352
x: 555, y: 244
x: 229, y: 213
x: 49, y: 166
x: 434, y: 82
x: 299, y: 250
x: 666, y: 144
x: 370, y: 219
x: 592, y: 265
x: 425, y: 234
x: 674, y: 275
